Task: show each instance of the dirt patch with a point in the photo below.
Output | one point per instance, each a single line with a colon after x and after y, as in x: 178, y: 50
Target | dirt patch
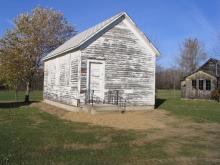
x: 152, y: 119
x: 75, y: 146
x: 36, y: 120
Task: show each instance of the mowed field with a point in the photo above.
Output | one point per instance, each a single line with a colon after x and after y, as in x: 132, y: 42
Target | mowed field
x: 6, y: 96
x: 190, y: 135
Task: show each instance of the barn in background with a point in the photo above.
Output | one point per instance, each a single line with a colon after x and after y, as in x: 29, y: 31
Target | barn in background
x: 111, y: 64
x: 201, y: 83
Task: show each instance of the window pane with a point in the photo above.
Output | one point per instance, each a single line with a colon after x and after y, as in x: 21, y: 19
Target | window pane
x: 194, y: 84
x: 208, y: 85
x: 201, y: 84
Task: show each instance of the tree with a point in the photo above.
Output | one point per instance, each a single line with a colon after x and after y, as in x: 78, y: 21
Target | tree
x: 10, y: 61
x: 167, y: 78
x: 37, y: 33
x: 192, y: 53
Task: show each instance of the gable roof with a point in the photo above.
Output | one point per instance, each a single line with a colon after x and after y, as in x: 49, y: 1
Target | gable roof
x: 201, y: 68
x: 210, y: 60
x: 79, y: 39
x: 212, y: 66
x: 200, y: 71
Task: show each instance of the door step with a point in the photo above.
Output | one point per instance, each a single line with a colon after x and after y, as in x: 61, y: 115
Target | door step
x: 102, y: 108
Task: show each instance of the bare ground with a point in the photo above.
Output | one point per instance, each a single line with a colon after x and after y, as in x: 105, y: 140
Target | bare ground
x: 152, y: 119
x: 137, y: 120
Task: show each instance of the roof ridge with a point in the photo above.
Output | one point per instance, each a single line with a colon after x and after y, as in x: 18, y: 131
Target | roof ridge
x: 81, y: 38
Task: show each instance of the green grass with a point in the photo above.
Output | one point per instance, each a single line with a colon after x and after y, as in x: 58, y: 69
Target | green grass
x: 30, y: 136
x: 199, y: 110
x: 10, y: 95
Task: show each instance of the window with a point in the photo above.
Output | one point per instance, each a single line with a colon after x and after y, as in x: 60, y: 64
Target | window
x: 194, y: 84
x: 208, y: 85
x: 201, y: 84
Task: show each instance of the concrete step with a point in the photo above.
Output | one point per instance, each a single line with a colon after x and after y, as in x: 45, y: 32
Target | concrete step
x: 102, y: 108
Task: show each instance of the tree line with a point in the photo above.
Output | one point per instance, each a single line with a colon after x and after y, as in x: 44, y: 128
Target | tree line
x: 191, y: 55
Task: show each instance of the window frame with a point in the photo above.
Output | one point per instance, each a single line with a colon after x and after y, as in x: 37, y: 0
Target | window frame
x: 194, y: 86
x: 210, y: 85
x: 201, y: 85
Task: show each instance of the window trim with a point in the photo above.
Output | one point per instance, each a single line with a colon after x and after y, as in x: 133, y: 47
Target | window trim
x: 210, y: 85
x: 194, y: 86
x: 202, y: 85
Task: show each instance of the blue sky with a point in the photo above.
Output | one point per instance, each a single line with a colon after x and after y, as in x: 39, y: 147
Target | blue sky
x: 166, y: 22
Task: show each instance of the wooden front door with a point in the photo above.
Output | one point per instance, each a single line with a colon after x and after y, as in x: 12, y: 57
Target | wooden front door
x: 96, y: 79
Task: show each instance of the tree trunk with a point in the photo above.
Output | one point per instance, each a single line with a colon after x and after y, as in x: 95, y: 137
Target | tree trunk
x: 16, y: 95
x: 27, y: 95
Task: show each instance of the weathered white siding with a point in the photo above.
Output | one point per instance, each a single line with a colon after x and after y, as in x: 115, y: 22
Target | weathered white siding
x: 61, y: 78
x: 129, y: 64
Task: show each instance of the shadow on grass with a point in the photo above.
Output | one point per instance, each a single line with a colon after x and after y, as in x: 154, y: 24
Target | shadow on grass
x: 159, y: 102
x: 14, y: 104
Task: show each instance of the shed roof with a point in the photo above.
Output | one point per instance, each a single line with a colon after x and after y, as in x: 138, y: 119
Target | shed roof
x: 216, y: 61
x: 79, y: 39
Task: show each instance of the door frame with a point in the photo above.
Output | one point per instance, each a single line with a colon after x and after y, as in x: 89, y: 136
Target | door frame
x: 89, y: 61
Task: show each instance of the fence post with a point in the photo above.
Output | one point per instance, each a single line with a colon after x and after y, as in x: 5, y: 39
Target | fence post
x: 85, y: 96
x: 92, y: 97
x: 117, y: 91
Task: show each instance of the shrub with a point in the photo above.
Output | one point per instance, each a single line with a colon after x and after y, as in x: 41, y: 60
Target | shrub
x: 215, y: 95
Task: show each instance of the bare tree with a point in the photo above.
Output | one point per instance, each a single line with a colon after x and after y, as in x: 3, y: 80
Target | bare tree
x: 167, y: 78
x: 192, y: 53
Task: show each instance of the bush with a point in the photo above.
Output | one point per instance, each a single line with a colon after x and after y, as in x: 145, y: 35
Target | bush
x: 215, y: 95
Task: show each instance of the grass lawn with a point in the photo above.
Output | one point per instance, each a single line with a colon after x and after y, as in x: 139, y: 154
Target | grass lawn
x: 199, y: 110
x: 30, y: 136
x: 6, y: 95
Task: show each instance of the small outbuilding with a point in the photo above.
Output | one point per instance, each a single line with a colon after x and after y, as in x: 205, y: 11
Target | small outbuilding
x: 111, y: 64
x: 200, y: 84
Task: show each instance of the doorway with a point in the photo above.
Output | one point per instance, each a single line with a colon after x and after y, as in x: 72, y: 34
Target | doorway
x: 96, y: 78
